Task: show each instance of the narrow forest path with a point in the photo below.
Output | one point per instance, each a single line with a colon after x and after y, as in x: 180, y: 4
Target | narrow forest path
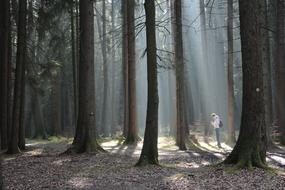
x: 41, y: 167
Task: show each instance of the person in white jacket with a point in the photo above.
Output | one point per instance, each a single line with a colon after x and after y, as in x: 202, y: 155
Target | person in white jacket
x: 215, y: 123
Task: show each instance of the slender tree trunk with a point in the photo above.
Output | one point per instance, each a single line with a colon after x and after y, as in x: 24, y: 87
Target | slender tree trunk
x: 203, y: 100
x: 231, y: 129
x: 125, y: 68
x: 280, y: 80
x: 250, y: 149
x: 4, y: 71
x: 180, y: 86
x: 85, y: 139
x: 74, y: 61
x: 20, y: 68
x: 149, y: 154
x: 113, y: 104
x: 132, y: 135
x: 104, y: 123
x: 267, y: 67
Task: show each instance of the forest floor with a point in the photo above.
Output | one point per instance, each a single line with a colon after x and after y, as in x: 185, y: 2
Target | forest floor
x: 42, y: 167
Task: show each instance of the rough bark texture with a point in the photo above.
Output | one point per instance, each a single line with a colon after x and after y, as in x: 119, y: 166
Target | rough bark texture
x: 179, y: 61
x: 4, y: 65
x: 149, y: 154
x: 250, y: 149
x: 132, y: 133
x: 20, y: 68
x: 280, y: 70
x: 231, y: 129
x: 85, y: 137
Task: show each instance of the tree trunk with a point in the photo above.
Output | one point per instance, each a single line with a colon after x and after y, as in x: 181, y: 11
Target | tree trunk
x: 132, y: 135
x: 231, y: 129
x: 125, y: 68
x: 280, y: 70
x: 203, y: 99
x: 4, y: 71
x: 20, y: 68
x: 250, y: 149
x: 85, y: 138
x: 74, y: 62
x: 104, y: 122
x: 180, y: 87
x: 149, y: 154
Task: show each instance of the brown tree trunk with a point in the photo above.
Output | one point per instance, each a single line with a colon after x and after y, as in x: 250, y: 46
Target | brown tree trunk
x: 85, y: 138
x: 180, y: 87
x: 250, y: 149
x: 4, y: 71
x: 231, y: 129
x: 280, y: 70
x: 132, y: 135
x: 149, y: 154
x: 20, y: 68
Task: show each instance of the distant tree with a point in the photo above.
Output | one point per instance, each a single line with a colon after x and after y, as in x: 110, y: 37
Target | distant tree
x: 180, y: 83
x: 20, y: 71
x: 231, y: 129
x: 132, y: 132
x: 250, y: 149
x: 4, y: 71
x: 106, y: 93
x: 149, y: 154
x: 125, y: 66
x: 280, y: 69
x: 85, y: 137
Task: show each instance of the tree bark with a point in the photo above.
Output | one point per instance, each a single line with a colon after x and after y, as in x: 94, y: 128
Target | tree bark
x: 4, y: 71
x: 132, y: 134
x: 125, y: 67
x: 180, y: 86
x: 20, y: 71
x: 149, y: 154
x: 85, y: 137
x: 250, y: 149
x: 231, y: 129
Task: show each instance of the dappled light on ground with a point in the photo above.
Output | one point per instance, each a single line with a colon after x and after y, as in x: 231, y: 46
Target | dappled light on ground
x: 42, y: 167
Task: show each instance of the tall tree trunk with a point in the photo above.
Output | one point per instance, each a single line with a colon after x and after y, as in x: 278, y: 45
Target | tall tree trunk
x: 180, y: 83
x: 231, y: 129
x: 125, y: 67
x: 280, y: 68
x: 85, y: 139
x: 20, y: 71
x: 4, y: 71
x: 250, y: 149
x: 132, y: 135
x: 113, y: 111
x: 74, y: 60
x: 203, y: 99
x: 104, y: 122
x: 149, y: 154
x: 267, y: 68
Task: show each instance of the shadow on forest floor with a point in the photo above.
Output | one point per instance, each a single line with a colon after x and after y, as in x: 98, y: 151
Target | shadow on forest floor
x: 40, y: 167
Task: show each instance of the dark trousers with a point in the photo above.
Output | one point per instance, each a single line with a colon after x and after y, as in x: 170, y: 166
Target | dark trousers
x: 218, y: 136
